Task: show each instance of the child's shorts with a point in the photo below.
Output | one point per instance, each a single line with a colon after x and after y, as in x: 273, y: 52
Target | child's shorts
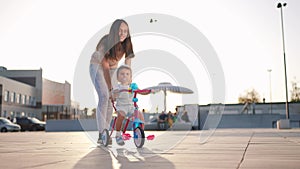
x: 125, y: 110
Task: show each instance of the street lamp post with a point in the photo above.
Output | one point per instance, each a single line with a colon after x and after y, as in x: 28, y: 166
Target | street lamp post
x: 279, y: 5
x: 270, y: 70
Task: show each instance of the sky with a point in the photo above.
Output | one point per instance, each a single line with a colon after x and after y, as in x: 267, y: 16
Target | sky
x: 245, y: 34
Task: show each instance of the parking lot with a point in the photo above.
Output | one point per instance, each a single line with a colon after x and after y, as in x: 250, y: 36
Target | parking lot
x: 223, y: 148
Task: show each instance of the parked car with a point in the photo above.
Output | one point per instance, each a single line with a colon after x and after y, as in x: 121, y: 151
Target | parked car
x: 30, y: 123
x: 6, y: 125
x: 154, y: 125
x: 151, y: 125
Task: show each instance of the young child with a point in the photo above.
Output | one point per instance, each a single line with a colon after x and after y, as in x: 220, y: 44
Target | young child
x: 124, y: 103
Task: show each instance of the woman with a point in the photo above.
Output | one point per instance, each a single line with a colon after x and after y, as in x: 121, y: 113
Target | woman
x: 104, y: 61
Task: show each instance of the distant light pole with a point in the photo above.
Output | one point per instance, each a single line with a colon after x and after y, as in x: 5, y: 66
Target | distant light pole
x: 279, y: 5
x: 270, y: 70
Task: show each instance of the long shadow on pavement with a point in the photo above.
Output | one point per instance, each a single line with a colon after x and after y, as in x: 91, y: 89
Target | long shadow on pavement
x: 104, y: 158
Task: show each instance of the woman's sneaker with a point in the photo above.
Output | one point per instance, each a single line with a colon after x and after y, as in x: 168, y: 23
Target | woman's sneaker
x: 120, y: 140
x: 101, y: 138
x: 100, y: 141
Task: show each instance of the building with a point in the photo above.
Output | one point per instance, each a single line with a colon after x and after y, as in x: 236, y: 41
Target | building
x: 21, y: 93
x: 259, y: 115
x: 57, y: 100
x: 27, y: 93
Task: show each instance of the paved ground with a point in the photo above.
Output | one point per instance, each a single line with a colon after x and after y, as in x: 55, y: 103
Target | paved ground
x: 225, y: 148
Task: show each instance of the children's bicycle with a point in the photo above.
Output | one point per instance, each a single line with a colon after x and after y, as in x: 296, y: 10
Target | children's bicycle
x: 138, y: 124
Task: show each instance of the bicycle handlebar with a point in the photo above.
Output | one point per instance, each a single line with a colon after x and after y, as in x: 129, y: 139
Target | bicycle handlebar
x: 138, y: 91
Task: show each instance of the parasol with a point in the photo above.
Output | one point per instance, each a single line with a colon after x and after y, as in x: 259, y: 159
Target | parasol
x: 166, y: 86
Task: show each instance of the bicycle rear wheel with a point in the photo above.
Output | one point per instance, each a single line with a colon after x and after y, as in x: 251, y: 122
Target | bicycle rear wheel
x: 105, y: 137
x: 139, y: 137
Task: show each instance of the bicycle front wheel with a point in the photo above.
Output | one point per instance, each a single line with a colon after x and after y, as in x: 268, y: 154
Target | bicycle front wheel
x: 139, y: 137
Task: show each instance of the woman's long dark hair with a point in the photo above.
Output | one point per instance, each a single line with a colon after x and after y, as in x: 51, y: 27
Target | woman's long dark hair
x: 111, y: 42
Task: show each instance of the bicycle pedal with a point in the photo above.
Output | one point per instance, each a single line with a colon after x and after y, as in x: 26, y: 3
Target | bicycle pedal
x: 126, y: 136
x: 150, y: 137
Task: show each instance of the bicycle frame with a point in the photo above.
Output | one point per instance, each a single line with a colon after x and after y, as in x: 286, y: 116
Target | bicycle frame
x: 134, y: 118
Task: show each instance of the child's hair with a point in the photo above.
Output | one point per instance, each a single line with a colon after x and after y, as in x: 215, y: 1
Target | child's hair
x: 124, y: 67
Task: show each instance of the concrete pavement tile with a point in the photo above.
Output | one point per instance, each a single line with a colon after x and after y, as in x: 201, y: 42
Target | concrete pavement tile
x: 226, y: 148
x: 273, y: 164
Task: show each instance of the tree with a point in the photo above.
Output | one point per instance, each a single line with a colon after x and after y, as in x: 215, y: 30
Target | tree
x: 249, y: 96
x: 295, y: 92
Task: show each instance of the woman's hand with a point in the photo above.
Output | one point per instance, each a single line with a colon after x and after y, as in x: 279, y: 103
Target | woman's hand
x: 106, y: 73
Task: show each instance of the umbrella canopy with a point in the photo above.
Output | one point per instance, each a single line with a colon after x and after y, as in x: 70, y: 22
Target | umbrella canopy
x: 166, y: 86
